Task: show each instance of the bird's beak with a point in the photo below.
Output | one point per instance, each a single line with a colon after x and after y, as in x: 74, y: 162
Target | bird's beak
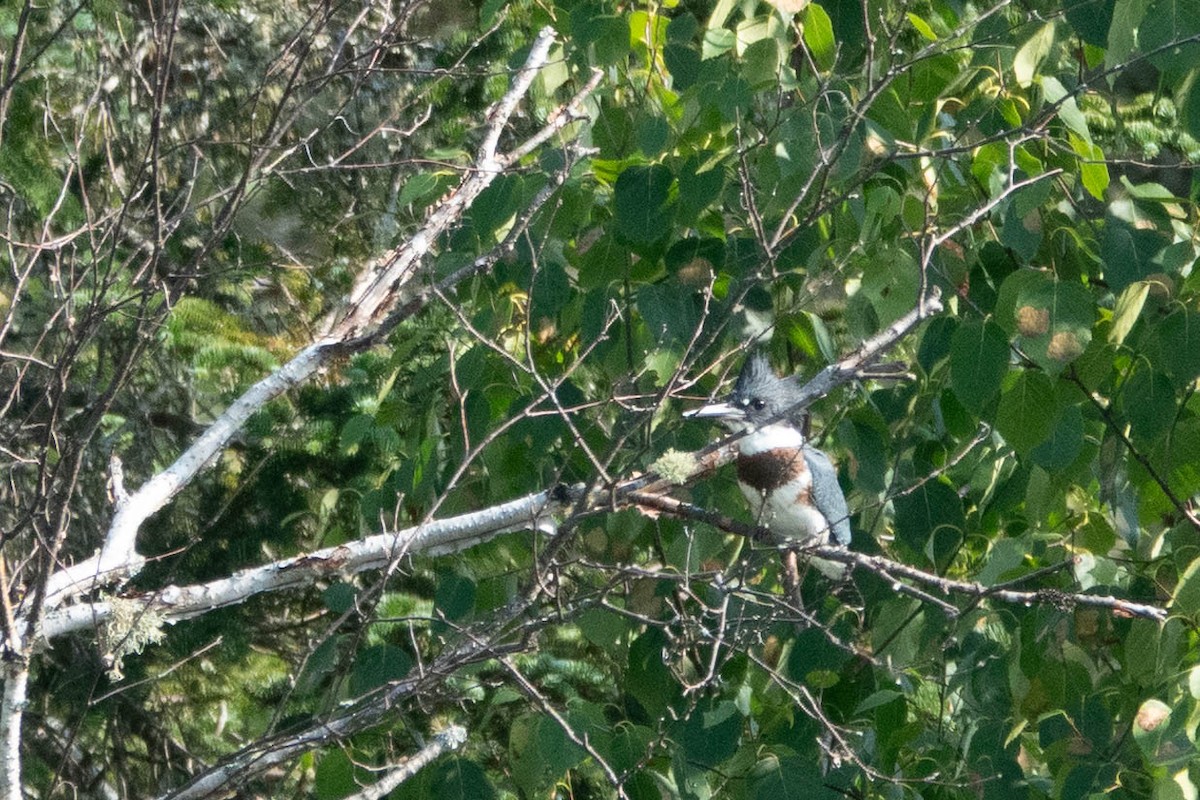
x: 725, y: 411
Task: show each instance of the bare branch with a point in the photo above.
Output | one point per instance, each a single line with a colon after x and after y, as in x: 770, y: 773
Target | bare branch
x: 450, y: 739
x: 174, y: 603
x: 377, y: 291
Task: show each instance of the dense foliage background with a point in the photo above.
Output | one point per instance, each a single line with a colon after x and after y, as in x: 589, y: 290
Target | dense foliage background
x: 190, y: 191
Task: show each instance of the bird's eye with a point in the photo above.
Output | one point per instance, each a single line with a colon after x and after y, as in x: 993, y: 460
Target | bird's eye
x: 758, y: 403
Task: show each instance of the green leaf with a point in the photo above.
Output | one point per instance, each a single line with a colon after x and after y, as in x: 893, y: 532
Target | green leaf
x: 935, y: 341
x: 890, y: 282
x: 932, y: 77
x: 1031, y: 54
x: 1189, y: 108
x: 1093, y: 168
x: 1177, y: 786
x: 608, y: 35
x: 930, y: 522
x: 614, y: 134
x: 755, y: 30
x: 761, y: 62
x: 453, y: 600
x: 628, y: 746
x: 1065, y: 443
x: 605, y: 261
x: 1127, y: 310
x: 1167, y: 22
x: 320, y: 664
x: 418, y: 187
x: 694, y: 260
x: 1022, y: 232
x: 550, y: 291
x: 335, y: 775
x: 1160, y: 736
x: 683, y: 62
x: 1054, y: 321
x: 1186, y: 597
x: 1027, y: 411
x: 818, y: 35
x: 717, y: 42
x: 989, y: 165
x: 354, y: 431
x: 720, y: 13
x: 1091, y: 19
x: 1176, y: 345
x: 648, y: 680
x: 652, y: 133
x: 672, y: 313
x: 682, y: 28
x: 339, y: 597
x: 813, y: 659
x: 790, y: 778
x: 1128, y: 252
x: 1123, y: 33
x: 1068, y: 109
x: 377, y: 666
x: 541, y: 752
x: 879, y: 698
x: 1004, y: 561
x: 644, y: 205
x: 461, y: 779
x: 979, y: 359
x: 1148, y: 402
x: 922, y: 27
x: 602, y: 628
x: 701, y: 179
x: 711, y: 734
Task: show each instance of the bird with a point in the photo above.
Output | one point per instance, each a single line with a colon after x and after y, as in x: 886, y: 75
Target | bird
x: 791, y: 486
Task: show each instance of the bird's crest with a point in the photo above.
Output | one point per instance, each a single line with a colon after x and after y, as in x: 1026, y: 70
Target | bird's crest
x: 760, y: 392
x: 755, y: 372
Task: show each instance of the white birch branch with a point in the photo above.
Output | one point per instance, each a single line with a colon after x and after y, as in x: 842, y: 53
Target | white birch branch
x: 379, y: 289
x: 118, y: 558
x: 175, y: 603
x: 16, y: 684
x: 377, y: 292
x: 450, y: 739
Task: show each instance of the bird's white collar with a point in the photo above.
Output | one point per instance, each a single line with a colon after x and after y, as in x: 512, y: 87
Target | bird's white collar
x: 770, y: 437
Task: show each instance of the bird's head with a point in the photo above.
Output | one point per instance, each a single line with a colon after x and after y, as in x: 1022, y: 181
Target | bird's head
x: 759, y: 395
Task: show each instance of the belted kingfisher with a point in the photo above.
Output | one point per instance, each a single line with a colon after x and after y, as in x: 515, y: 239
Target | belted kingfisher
x: 791, y: 486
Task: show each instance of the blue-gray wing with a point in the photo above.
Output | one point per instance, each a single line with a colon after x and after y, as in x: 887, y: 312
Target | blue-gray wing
x: 827, y: 494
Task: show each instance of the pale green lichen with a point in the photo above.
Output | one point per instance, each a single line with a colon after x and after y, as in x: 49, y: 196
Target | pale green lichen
x: 129, y: 629
x: 675, y: 466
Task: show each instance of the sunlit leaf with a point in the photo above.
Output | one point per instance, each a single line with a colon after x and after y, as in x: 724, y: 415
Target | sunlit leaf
x: 1032, y: 53
x: 1127, y: 311
x: 818, y: 35
x: 922, y: 27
